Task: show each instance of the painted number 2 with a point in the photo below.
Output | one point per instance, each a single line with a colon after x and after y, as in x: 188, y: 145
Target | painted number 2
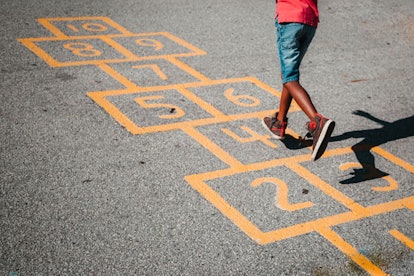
x: 281, y: 199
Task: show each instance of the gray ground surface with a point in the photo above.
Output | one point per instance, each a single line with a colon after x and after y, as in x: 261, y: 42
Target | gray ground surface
x: 82, y: 194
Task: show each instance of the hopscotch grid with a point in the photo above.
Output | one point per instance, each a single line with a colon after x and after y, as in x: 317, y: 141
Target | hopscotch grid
x: 199, y: 181
x: 32, y: 44
x: 217, y: 115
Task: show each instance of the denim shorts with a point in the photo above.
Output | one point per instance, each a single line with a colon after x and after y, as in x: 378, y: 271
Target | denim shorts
x: 293, y: 40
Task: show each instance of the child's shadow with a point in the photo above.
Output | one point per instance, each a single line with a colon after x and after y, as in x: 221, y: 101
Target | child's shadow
x: 399, y: 129
x: 293, y: 143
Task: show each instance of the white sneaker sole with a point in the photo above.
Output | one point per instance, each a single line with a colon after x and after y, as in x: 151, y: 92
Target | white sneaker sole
x: 323, y: 140
x: 274, y: 136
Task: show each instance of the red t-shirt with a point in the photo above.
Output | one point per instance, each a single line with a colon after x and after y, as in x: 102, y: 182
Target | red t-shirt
x: 299, y: 11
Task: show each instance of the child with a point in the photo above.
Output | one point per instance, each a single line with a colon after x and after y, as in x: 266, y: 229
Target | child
x: 296, y: 22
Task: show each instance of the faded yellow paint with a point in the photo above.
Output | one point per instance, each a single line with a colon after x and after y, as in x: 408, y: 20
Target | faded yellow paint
x: 350, y: 251
x: 402, y: 238
x: 254, y: 136
x: 48, y: 24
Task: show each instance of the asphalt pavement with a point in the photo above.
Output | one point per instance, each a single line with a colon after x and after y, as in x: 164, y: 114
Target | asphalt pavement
x: 132, y: 142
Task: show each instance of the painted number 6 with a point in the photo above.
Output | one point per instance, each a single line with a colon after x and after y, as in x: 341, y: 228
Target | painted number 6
x: 241, y: 100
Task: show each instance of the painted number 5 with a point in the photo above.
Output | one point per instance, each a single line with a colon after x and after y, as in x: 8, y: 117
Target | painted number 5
x: 175, y: 111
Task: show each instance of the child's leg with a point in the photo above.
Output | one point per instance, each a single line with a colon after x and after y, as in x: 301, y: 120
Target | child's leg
x: 294, y: 90
x: 285, y: 101
x: 293, y: 40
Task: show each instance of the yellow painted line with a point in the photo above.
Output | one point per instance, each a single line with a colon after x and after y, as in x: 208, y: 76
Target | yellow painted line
x: 390, y: 206
x: 212, y: 147
x: 308, y: 227
x: 338, y: 151
x: 185, y: 67
x: 188, y: 85
x: 202, y: 122
x: 196, y: 51
x: 410, y: 204
x: 200, y: 102
x: 350, y: 251
x: 47, y: 23
x: 191, y: 49
x: 396, y: 160
x: 265, y: 164
x: 329, y: 221
x: 326, y: 188
x: 154, y: 67
x: 30, y: 43
x: 120, y: 49
x: 115, y: 113
x: 402, y: 238
x: 50, y: 27
x: 358, y: 212
x: 225, y: 208
x: 218, y: 116
x: 198, y: 182
x: 121, y: 118
x: 117, y: 76
x: 254, y: 136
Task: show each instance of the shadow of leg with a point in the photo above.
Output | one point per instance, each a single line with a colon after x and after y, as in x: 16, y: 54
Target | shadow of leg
x: 365, y: 169
x: 293, y: 143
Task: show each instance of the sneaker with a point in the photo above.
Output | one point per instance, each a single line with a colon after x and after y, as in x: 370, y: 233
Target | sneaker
x: 276, y: 128
x: 321, y: 129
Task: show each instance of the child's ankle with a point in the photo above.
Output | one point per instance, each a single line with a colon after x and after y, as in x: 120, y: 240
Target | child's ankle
x: 281, y: 118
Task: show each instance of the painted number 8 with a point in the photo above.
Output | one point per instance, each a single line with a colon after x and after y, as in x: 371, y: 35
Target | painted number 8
x: 83, y: 49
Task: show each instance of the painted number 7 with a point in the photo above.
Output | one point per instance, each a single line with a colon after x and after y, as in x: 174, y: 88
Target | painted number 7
x: 175, y: 111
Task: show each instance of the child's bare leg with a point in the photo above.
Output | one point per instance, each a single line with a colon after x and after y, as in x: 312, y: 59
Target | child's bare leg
x: 294, y: 90
x: 285, y: 101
